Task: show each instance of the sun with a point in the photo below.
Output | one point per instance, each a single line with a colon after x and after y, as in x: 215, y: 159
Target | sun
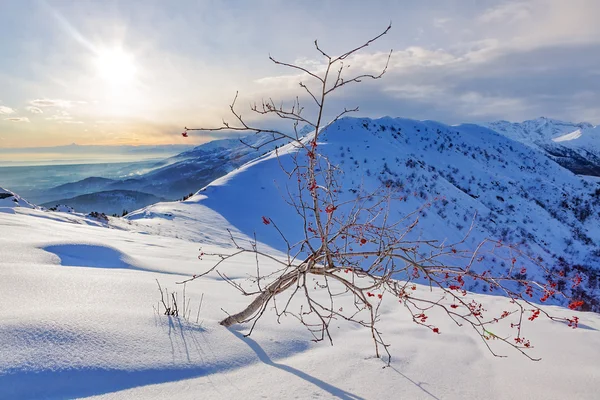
x: 115, y: 66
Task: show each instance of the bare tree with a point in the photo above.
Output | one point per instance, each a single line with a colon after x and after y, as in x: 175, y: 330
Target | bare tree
x: 353, y: 247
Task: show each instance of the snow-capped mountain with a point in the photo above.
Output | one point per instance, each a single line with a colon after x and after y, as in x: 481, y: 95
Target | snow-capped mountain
x: 518, y: 194
x: 575, y: 146
x: 539, y: 130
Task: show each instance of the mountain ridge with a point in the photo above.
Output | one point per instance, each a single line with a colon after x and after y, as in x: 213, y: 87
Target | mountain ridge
x: 518, y: 194
x: 575, y: 146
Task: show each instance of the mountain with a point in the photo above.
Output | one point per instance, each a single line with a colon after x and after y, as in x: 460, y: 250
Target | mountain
x: 518, y: 194
x: 85, y: 316
x: 9, y: 200
x: 84, y: 186
x: 179, y: 175
x: 108, y: 202
x: 191, y: 170
x: 575, y: 146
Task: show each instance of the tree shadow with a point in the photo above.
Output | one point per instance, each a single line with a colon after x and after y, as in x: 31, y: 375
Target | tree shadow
x: 417, y: 384
x: 77, y: 382
x: 264, y: 357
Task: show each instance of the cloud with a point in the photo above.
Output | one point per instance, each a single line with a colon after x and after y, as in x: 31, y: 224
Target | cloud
x: 60, y: 115
x: 34, y: 110
x: 58, y: 103
x: 63, y: 117
x: 441, y: 23
x: 17, y: 119
x: 416, y: 92
x: 516, y: 60
x: 6, y: 110
x: 528, y: 24
x: 368, y: 63
x: 474, y: 61
x: 507, y: 12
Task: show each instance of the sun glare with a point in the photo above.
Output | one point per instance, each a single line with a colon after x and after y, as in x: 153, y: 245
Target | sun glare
x: 115, y: 66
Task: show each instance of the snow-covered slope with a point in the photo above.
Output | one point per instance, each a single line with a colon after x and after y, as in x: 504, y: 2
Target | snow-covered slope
x: 519, y: 195
x: 79, y: 320
x: 10, y: 200
x: 576, y: 146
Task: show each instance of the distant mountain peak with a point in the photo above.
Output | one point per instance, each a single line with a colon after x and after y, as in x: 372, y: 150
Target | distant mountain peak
x: 575, y: 146
x: 541, y: 129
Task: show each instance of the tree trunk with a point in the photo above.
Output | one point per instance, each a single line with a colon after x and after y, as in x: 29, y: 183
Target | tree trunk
x: 248, y: 311
x: 276, y: 287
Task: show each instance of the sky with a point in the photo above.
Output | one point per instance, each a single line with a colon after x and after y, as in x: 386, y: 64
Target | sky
x: 136, y: 72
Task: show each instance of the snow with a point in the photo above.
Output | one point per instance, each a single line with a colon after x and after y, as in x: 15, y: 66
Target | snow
x: 573, y: 144
x: 80, y: 296
x: 10, y: 200
x: 569, y: 136
x: 538, y: 130
x: 75, y: 326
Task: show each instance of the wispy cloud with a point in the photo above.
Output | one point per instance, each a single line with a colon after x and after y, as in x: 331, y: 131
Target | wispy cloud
x: 60, y: 115
x: 507, y: 12
x: 58, y: 103
x: 17, y: 119
x: 34, y: 110
x: 6, y: 110
x: 440, y: 23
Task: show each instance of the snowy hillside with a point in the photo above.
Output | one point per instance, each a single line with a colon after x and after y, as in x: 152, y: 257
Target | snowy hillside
x: 575, y: 146
x: 81, y: 321
x: 518, y: 194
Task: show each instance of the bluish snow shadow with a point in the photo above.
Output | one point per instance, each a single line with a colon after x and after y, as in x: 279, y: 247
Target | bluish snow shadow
x: 264, y: 357
x: 96, y: 256
x: 86, y: 255
x: 77, y: 383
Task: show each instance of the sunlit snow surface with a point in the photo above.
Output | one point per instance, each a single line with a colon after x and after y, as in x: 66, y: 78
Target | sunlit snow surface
x: 79, y: 297
x: 78, y: 320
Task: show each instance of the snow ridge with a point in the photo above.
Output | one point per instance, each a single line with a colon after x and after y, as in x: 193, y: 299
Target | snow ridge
x: 10, y: 200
